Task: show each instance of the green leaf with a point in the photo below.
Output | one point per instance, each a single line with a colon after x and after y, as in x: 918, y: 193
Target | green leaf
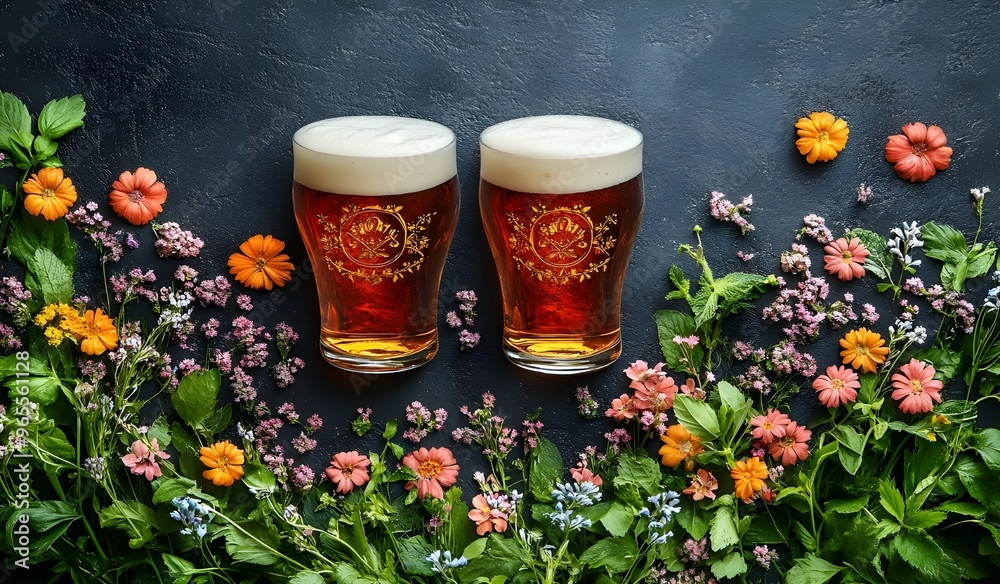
x: 924, y: 519
x: 503, y: 557
x: 132, y: 517
x: 617, y: 553
x: 640, y: 472
x: 618, y: 519
x: 891, y: 500
x: 946, y: 361
x: 219, y: 419
x: 693, y: 519
x: 879, y: 260
x: 31, y: 233
x: 943, y: 242
x: 545, y: 468
x: 812, y: 569
x: 697, y: 416
x: 196, y: 396
x: 390, y: 430
x: 159, y: 431
x: 253, y: 543
x: 723, y: 532
x: 963, y: 508
x: 987, y: 444
x: 475, y: 549
x: 729, y: 566
x: 739, y: 288
x: 413, y: 552
x: 737, y: 403
x: 169, y: 489
x: 53, y: 280
x: 981, y: 259
x: 258, y: 477
x: 14, y: 119
x: 44, y: 148
x: 920, y: 551
x: 179, y: 569
x: 47, y: 522
x: 307, y: 577
x: 61, y: 116
x: 980, y: 481
x: 344, y: 572
x: 682, y: 286
x: 848, y: 506
x: 854, y: 447
x: 670, y: 324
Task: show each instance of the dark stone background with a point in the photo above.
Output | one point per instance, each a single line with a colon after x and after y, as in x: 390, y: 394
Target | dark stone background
x: 209, y: 93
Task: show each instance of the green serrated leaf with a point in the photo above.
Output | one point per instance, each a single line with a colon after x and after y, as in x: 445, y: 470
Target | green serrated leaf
x: 682, y: 286
x: 413, y: 552
x: 924, y: 519
x: 49, y: 278
x: 61, y: 116
x: 987, y: 444
x: 44, y: 148
x: 307, y: 577
x: 919, y: 550
x: 891, y: 500
x: 697, y: 416
x: 545, y: 468
x: 670, y: 324
x: 14, y: 119
x: 618, y: 520
x: 723, y: 532
x: 196, y: 397
x: 729, y: 566
x: 847, y: 506
x: 253, y: 543
x: 812, y: 569
x: 639, y: 472
x: 617, y: 553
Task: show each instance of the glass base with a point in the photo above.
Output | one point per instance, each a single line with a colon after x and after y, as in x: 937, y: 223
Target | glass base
x: 560, y: 356
x: 381, y: 361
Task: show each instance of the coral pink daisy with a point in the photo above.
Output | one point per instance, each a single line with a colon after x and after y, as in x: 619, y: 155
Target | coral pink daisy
x: 584, y: 474
x: 654, y: 391
x: 769, y: 427
x: 838, y: 386
x: 916, y: 387
x: 348, y: 470
x: 488, y: 514
x: 138, y: 197
x: 436, y: 469
x: 142, y: 459
x: 846, y: 259
x: 919, y: 152
x: 621, y: 408
x: 793, y: 446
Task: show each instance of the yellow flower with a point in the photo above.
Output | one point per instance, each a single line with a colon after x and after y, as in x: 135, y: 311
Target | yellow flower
x: 49, y: 194
x: 863, y: 349
x: 224, y: 462
x: 821, y: 136
x: 749, y: 476
x: 101, y: 334
x: 679, y: 445
x: 60, y: 321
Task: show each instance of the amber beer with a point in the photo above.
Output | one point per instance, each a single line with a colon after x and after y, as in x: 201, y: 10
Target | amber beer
x: 561, y: 200
x: 376, y: 200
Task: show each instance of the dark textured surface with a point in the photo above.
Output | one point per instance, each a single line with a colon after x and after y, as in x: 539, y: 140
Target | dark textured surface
x: 209, y: 93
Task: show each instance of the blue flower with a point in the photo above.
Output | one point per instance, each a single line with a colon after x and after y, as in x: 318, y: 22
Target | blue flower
x: 441, y: 561
x: 192, y: 515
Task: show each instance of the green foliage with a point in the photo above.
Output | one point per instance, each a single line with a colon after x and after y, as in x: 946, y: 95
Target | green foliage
x: 545, y: 468
x: 948, y: 245
x: 879, y: 261
x: 196, y: 396
x: 698, y: 417
x: 61, y: 116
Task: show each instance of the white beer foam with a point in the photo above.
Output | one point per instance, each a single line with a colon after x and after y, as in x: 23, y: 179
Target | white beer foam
x: 560, y: 154
x: 373, y: 155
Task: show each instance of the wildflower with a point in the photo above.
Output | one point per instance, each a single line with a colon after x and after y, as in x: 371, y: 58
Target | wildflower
x: 838, y: 386
x: 192, y: 515
x: 869, y: 314
x: 49, y: 194
x: 863, y: 350
x: 436, y: 468
x: 864, y: 193
x: 490, y: 512
x: 87, y: 219
x: 95, y: 466
x: 793, y: 446
x: 679, y: 445
x: 749, y: 476
x: 142, y: 460
x: 797, y: 260
x: 303, y: 443
x: 722, y: 209
x: 919, y: 152
x: 468, y: 340
x: 703, y: 485
x: 654, y: 391
x: 915, y: 388
x: 101, y: 334
x: 261, y: 263
x: 622, y: 408
x: 224, y: 462
x: 532, y: 431
x: 362, y: 424
x: 821, y: 136
x: 423, y: 421
x: 765, y: 556
x: 769, y: 427
x: 690, y: 341
x: 746, y: 257
x: 665, y: 505
x: 582, y: 493
x: 846, y: 259
x: 815, y: 227
x: 174, y: 242
x: 693, y: 550
x: 587, y: 405
x: 138, y: 198
x: 441, y: 562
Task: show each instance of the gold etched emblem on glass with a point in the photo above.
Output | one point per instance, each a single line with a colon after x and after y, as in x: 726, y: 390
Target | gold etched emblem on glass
x: 376, y: 200
x: 561, y: 201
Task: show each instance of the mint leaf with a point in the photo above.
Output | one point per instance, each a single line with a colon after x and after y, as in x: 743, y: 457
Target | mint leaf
x: 641, y: 472
x: 256, y: 548
x: 729, y: 566
x: 544, y: 470
x: 617, y: 553
x: 31, y: 233
x: 891, y: 500
x: 14, y: 119
x: 723, y: 532
x: 61, y: 116
x: 920, y: 551
x: 196, y: 396
x: 812, y: 570
x: 682, y: 286
x: 618, y: 519
x: 413, y: 552
x: 987, y: 444
x: 697, y: 416
x: 48, y: 278
x: 670, y: 324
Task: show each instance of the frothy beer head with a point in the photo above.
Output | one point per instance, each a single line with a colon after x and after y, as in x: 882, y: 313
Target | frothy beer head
x: 373, y: 155
x: 560, y: 154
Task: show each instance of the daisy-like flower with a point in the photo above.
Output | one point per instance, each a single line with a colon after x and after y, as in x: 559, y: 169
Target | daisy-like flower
x: 838, y: 386
x: 224, y: 461
x: 769, y: 427
x: 348, y: 470
x: 142, y: 460
x: 703, y: 486
x: 261, y: 263
x: 101, y: 334
x: 622, y: 408
x: 679, y: 445
x: 846, y: 259
x: 584, y: 474
x: 436, y: 469
x: 863, y: 350
x: 749, y: 476
x: 49, y: 194
x: 489, y: 514
x: 793, y: 446
x: 919, y: 152
x: 138, y: 197
x: 821, y: 136
x: 915, y: 388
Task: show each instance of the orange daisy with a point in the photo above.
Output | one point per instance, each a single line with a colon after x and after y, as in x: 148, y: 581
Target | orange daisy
x: 224, y: 461
x: 679, y: 445
x: 863, y: 350
x: 749, y: 476
x: 100, y: 333
x: 261, y: 265
x: 138, y: 197
x: 49, y: 194
x: 821, y: 136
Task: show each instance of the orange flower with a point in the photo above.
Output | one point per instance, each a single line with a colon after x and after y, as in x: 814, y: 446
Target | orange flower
x: 224, y: 462
x: 703, y: 485
x: 436, y: 468
x: 261, y: 265
x: 348, y: 470
x: 846, y: 259
x: 863, y: 350
x: 919, y: 152
x: 749, y: 476
x: 101, y: 334
x: 49, y: 193
x: 139, y: 197
x: 490, y: 513
x: 678, y: 445
x: 821, y: 136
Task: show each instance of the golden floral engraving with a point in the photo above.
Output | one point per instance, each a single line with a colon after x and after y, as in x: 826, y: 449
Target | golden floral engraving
x: 555, y: 244
x: 369, y: 242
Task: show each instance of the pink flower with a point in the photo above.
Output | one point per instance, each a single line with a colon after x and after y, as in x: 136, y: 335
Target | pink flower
x: 919, y: 152
x: 846, y: 259
x: 691, y: 389
x: 622, y: 408
x: 348, y: 470
x: 839, y: 386
x: 690, y: 341
x: 703, y: 485
x: 654, y: 391
x: 489, y: 514
x: 584, y: 474
x: 793, y: 446
x: 142, y: 459
x: 436, y: 468
x: 916, y: 387
x: 769, y: 427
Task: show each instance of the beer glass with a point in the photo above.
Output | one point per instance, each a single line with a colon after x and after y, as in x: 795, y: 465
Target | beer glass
x: 561, y: 201
x: 376, y: 200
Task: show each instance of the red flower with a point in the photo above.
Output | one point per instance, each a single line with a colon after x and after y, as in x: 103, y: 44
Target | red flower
x: 919, y: 152
x: 916, y: 387
x: 348, y: 470
x: 139, y: 197
x: 436, y: 468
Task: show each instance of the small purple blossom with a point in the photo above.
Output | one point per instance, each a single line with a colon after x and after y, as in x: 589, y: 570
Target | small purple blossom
x: 467, y: 339
x: 724, y: 210
x: 174, y: 242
